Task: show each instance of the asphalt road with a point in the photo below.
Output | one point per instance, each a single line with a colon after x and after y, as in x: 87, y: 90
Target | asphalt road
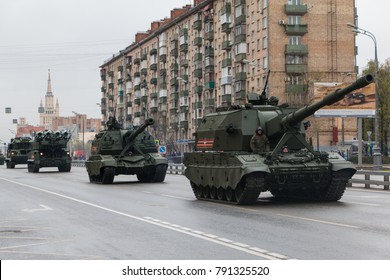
x: 52, y: 215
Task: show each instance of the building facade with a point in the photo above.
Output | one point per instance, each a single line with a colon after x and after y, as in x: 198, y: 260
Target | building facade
x: 214, y: 52
x: 49, y: 110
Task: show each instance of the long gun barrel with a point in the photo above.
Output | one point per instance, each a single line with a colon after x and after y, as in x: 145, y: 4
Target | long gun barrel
x: 304, y: 112
x: 129, y: 139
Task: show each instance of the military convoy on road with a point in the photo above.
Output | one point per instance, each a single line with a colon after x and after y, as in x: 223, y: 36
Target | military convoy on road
x: 131, y: 151
x: 223, y: 168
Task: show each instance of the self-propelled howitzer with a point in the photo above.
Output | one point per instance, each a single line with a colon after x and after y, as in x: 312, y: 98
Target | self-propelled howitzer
x: 223, y: 167
x: 131, y: 151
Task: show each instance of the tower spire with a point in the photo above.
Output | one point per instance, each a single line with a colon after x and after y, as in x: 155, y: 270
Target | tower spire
x: 49, y: 92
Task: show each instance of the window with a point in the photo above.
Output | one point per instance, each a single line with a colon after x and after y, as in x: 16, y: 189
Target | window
x: 295, y: 40
x: 265, y: 42
x: 294, y: 19
x: 265, y: 22
x: 294, y: 2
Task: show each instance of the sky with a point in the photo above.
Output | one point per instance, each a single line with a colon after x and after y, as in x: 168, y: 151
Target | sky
x: 73, y: 38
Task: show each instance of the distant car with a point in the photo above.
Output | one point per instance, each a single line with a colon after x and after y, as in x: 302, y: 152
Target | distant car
x: 355, y: 98
x: 2, y: 159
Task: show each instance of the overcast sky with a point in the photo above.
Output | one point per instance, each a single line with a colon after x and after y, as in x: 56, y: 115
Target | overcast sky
x: 74, y: 37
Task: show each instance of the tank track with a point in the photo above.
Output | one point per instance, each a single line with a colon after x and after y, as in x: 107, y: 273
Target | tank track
x: 329, y: 190
x: 245, y: 193
x: 337, y: 186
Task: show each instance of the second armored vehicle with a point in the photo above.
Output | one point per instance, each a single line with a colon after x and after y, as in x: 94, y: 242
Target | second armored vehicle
x: 49, y: 149
x: 17, y: 151
x: 130, y: 151
x: 223, y: 167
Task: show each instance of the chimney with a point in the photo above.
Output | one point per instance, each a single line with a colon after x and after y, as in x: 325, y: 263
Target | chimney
x: 140, y: 36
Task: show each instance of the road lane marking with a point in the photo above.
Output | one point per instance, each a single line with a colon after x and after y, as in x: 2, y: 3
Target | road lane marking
x: 43, y: 208
x: 219, y: 240
x: 208, y: 237
x: 362, y: 203
x: 317, y: 221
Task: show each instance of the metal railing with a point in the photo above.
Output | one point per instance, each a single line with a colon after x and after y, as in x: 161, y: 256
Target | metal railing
x: 368, y: 182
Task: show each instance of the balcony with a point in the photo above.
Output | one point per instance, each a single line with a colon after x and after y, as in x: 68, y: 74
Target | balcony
x: 226, y: 80
x: 174, y: 52
x: 226, y: 9
x: 153, y: 81
x: 296, y: 88
x: 209, y: 52
x: 174, y: 82
x: 198, y: 73
x: 184, y: 47
x: 209, y: 103
x: 163, y: 58
x: 154, y: 95
x: 137, y: 61
x: 209, y: 35
x: 198, y: 41
x: 198, y: 89
x: 184, y: 124
x: 144, y: 71
x: 198, y: 57
x: 297, y: 49
x: 144, y: 57
x: 226, y: 62
x: 239, y: 2
x: 209, y: 69
x: 240, y: 57
x: 296, y: 29
x: 184, y: 62
x: 153, y: 67
x: 241, y: 76
x: 209, y: 86
x: 197, y: 25
x: 241, y: 38
x: 163, y: 72
x: 153, y: 51
x: 240, y: 20
x: 296, y: 68
x: 226, y: 45
x: 295, y: 9
x: 174, y: 67
x: 226, y: 98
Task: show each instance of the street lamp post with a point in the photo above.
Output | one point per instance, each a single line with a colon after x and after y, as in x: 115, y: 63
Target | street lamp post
x: 362, y: 31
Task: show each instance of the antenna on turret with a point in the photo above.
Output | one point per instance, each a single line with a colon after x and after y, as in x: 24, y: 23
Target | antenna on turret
x: 263, y: 96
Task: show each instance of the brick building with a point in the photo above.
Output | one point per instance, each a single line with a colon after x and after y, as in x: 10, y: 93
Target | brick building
x: 214, y: 52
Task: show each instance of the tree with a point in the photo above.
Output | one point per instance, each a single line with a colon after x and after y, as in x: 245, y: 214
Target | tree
x: 383, y: 106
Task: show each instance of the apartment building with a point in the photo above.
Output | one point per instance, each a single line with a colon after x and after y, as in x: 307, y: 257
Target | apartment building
x: 214, y: 52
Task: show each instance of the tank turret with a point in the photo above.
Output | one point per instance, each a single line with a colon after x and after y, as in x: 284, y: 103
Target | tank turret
x: 129, y: 151
x: 224, y: 168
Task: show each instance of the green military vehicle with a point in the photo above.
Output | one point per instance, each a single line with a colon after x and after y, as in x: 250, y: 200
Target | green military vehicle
x: 2, y: 158
x: 49, y: 149
x: 223, y: 168
x: 17, y: 151
x: 131, y: 151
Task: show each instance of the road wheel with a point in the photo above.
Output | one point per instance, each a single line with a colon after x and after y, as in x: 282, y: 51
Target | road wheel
x: 108, y: 175
x: 221, y: 194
